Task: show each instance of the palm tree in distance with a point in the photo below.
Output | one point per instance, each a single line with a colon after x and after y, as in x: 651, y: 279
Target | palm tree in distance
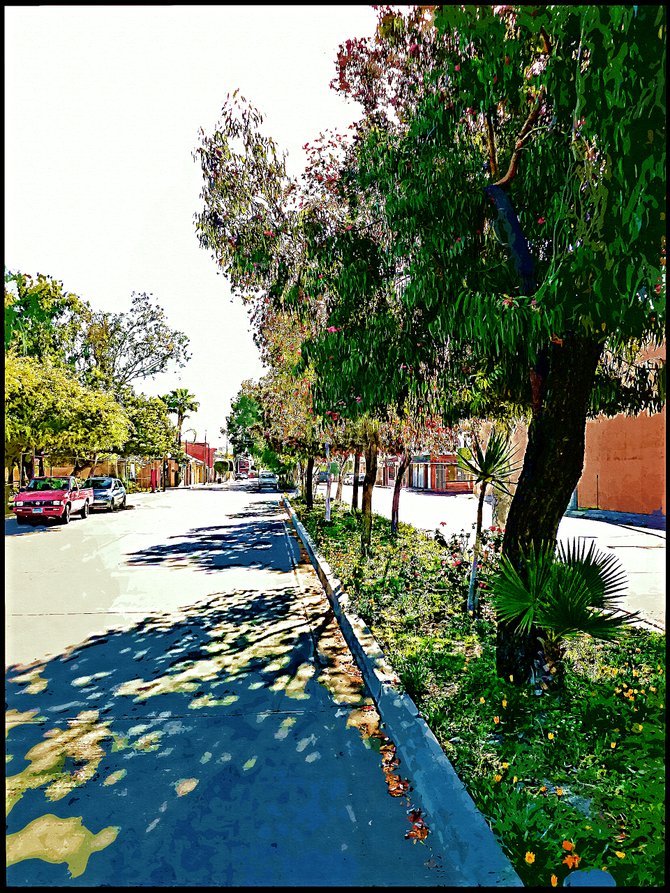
x: 182, y: 403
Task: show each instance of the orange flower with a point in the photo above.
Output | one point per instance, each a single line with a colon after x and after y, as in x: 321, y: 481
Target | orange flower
x: 554, y: 881
x: 543, y: 789
x: 559, y: 792
x: 568, y: 845
x: 496, y: 719
x: 497, y: 777
x: 530, y: 857
x: 572, y: 861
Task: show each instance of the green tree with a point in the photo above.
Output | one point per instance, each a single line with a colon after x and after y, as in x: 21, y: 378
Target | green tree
x: 152, y: 433
x: 123, y: 348
x: 182, y: 403
x: 517, y: 159
x: 45, y: 405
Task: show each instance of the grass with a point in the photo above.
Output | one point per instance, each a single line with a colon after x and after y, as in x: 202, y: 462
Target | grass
x: 570, y: 779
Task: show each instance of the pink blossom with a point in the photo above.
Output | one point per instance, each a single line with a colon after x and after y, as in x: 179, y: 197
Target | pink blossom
x: 540, y: 220
x: 332, y: 329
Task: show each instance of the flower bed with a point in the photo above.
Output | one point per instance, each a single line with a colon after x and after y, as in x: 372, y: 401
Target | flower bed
x: 569, y: 779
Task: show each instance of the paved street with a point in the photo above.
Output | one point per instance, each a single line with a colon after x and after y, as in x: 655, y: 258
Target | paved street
x: 182, y: 710
x: 640, y: 551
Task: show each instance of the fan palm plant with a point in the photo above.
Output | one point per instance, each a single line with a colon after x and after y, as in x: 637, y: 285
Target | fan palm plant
x: 562, y: 593
x: 492, y: 466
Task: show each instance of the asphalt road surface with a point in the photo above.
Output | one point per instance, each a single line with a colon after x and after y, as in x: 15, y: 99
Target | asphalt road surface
x: 182, y: 710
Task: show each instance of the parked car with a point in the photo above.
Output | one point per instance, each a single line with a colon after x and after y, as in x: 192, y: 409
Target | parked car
x: 268, y: 479
x: 252, y: 475
x: 108, y: 493
x: 322, y: 477
x: 241, y: 475
x: 52, y: 498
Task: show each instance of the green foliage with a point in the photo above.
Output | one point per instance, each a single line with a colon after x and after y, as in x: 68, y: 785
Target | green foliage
x: 121, y: 348
x: 46, y: 407
x: 152, y: 434
x: 181, y: 402
x: 584, y: 764
x: 565, y: 595
x: 41, y: 319
x: 244, y: 423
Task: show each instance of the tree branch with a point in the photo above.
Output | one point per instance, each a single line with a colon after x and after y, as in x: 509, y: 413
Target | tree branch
x: 518, y: 146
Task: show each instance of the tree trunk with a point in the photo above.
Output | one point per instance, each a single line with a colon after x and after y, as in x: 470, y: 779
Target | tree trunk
x: 309, y: 492
x: 340, y: 475
x: 403, y: 465
x: 552, y: 467
x: 357, y: 471
x: 371, y: 452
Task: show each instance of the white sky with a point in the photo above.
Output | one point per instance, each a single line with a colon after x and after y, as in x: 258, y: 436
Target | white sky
x: 102, y: 110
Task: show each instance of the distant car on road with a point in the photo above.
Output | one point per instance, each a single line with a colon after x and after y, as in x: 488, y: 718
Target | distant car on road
x: 241, y: 475
x: 268, y: 479
x: 322, y: 477
x: 349, y: 478
x: 108, y: 493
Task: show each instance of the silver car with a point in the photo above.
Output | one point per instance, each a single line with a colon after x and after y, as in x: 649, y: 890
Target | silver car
x: 108, y: 493
x: 268, y: 479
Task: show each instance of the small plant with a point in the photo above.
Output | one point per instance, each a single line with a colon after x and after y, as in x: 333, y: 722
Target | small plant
x: 562, y: 594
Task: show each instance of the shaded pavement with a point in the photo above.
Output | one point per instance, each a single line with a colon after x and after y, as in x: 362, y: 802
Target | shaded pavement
x: 228, y: 742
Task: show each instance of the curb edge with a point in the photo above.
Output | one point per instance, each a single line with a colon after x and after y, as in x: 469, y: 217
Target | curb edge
x: 460, y: 828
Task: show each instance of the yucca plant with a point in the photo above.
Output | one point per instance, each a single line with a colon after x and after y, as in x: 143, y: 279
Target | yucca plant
x: 492, y: 466
x: 562, y: 593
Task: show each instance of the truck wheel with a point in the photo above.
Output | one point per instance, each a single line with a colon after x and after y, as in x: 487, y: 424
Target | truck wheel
x: 65, y: 517
x: 84, y: 511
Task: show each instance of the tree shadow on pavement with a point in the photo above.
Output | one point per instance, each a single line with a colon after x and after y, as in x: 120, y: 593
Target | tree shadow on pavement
x: 170, y: 753
x: 217, y: 548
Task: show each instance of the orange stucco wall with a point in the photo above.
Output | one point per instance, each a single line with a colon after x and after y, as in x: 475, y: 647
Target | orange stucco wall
x: 624, y: 464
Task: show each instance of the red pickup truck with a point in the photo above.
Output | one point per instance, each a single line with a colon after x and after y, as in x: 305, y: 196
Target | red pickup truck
x: 52, y: 497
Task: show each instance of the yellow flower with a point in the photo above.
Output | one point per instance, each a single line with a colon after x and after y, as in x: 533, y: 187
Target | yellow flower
x: 635, y: 673
x: 515, y: 779
x: 559, y: 792
x: 530, y: 857
x: 511, y: 677
x: 619, y: 854
x: 505, y: 765
x: 550, y: 736
x: 482, y: 701
x: 587, y: 827
x: 613, y: 745
x: 504, y: 703
x: 554, y: 881
x: 652, y: 688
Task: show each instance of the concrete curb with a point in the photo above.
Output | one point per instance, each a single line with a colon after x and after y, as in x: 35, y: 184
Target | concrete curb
x: 459, y: 829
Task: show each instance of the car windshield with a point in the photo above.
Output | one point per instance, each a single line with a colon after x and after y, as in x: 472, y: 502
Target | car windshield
x: 40, y: 484
x: 100, y: 483
x: 267, y: 474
